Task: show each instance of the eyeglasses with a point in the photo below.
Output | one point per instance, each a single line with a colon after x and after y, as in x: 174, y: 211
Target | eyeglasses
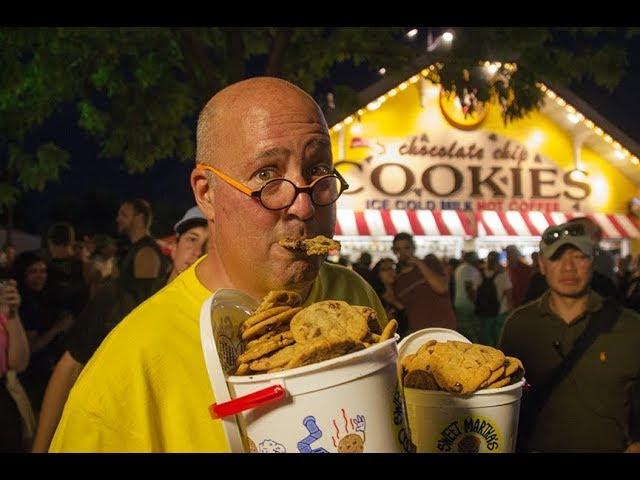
x: 554, y: 234
x: 280, y: 193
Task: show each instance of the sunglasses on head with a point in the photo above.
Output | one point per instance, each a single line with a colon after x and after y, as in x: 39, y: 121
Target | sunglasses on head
x: 554, y: 234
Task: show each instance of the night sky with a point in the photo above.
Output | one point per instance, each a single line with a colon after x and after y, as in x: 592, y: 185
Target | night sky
x: 93, y: 187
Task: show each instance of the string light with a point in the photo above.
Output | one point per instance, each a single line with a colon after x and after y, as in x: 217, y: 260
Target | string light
x: 573, y: 115
x: 573, y: 118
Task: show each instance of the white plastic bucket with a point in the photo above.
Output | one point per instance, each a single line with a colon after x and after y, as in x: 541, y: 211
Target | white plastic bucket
x: 349, y: 403
x: 442, y: 422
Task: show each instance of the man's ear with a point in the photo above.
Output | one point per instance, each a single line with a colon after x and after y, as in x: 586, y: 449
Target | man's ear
x: 202, y: 192
x: 541, y: 265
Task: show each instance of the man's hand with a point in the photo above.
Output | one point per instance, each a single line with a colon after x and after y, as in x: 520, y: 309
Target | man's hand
x: 437, y: 281
x: 415, y: 262
x: 9, y: 297
x: 360, y: 423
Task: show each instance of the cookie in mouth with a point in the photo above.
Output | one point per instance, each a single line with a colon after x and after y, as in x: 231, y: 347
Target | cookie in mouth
x: 319, y: 245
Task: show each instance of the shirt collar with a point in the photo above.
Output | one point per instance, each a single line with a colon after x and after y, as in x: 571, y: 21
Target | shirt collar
x: 594, y: 303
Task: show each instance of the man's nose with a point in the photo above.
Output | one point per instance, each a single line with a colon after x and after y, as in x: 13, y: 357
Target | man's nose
x: 302, y: 207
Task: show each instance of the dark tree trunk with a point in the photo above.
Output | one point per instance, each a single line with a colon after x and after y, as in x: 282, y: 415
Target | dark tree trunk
x: 278, y: 49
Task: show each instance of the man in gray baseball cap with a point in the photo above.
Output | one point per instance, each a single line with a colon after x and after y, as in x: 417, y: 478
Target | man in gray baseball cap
x: 569, y: 233
x: 192, y: 217
x: 576, y: 347
x: 191, y: 232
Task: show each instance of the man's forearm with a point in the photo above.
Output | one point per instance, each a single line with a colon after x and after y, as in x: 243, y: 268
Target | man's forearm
x: 62, y: 380
x: 19, y: 352
x: 439, y: 283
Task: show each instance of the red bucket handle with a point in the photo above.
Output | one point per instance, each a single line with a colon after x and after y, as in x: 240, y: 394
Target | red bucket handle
x: 252, y: 400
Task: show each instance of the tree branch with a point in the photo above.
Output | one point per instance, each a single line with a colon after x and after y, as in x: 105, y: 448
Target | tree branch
x: 235, y: 53
x: 198, y: 64
x: 278, y: 49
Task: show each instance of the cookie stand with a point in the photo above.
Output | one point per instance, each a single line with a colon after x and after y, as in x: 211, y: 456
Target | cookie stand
x: 345, y: 404
x: 442, y: 422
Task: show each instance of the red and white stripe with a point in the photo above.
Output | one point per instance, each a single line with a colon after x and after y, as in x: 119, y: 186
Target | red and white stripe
x: 514, y: 223
x: 457, y: 223
x: 391, y: 222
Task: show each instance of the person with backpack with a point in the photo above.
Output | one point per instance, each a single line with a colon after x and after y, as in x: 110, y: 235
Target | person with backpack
x: 493, y: 300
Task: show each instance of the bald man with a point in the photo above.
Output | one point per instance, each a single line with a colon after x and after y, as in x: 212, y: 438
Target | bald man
x: 259, y: 142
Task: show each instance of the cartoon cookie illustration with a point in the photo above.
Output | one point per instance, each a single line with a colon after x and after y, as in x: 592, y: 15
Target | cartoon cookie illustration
x: 352, y: 443
x: 469, y: 444
x: 350, y: 433
x: 271, y: 446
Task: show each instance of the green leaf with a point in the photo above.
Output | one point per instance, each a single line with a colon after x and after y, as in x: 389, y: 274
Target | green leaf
x: 8, y: 195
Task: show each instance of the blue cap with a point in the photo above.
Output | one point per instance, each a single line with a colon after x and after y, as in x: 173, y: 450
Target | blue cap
x: 191, y: 218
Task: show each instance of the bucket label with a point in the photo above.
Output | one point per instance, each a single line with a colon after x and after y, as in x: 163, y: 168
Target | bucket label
x: 348, y: 434
x: 404, y: 438
x: 470, y: 434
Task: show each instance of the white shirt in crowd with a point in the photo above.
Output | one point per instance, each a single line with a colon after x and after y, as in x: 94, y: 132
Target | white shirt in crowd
x: 503, y: 283
x: 465, y: 273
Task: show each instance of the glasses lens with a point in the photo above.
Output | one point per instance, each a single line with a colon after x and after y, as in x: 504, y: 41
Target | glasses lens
x: 326, y: 190
x: 277, y: 194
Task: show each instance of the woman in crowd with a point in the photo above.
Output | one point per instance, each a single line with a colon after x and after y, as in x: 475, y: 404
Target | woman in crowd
x: 14, y: 358
x: 43, y: 325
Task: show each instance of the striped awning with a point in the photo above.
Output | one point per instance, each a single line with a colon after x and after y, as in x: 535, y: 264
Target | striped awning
x: 459, y: 223
x: 391, y: 222
x: 514, y: 223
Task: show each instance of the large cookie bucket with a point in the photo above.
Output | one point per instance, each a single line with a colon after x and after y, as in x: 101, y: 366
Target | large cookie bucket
x: 346, y: 404
x: 442, y: 422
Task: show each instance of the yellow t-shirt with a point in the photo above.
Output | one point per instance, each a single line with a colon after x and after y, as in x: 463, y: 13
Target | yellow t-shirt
x: 146, y: 388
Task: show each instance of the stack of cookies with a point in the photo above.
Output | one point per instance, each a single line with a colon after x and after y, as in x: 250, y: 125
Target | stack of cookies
x: 281, y: 335
x: 459, y: 367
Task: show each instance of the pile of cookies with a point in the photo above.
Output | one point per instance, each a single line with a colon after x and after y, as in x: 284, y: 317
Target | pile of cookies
x: 459, y: 367
x: 281, y: 335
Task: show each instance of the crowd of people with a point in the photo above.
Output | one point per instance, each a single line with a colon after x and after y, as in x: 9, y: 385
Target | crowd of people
x: 96, y: 342
x: 475, y: 295
x: 59, y: 303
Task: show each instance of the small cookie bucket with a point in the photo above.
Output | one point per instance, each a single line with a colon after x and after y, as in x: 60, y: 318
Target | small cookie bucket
x: 346, y: 404
x: 442, y: 422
